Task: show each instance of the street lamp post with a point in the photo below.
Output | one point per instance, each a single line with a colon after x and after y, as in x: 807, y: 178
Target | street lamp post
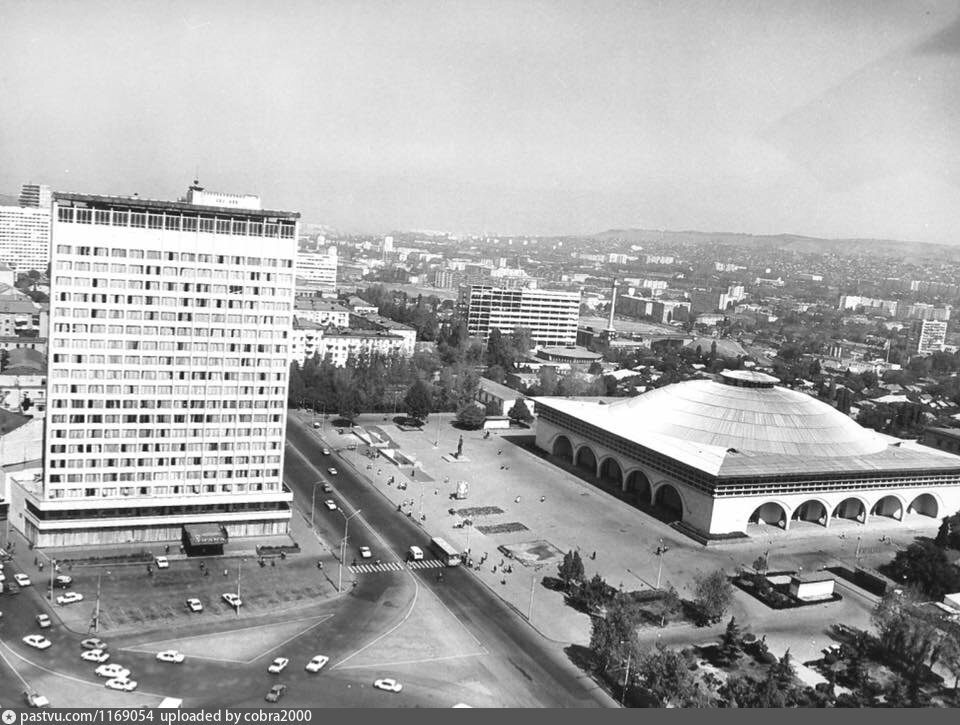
x: 239, y: 564
x: 313, y: 503
x: 437, y: 442
x: 533, y: 582
x: 626, y: 679
x: 661, y: 550
x: 857, y: 553
x: 343, y: 545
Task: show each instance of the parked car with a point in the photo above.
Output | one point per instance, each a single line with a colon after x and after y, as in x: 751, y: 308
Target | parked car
x: 93, y: 643
x: 62, y: 581
x: 317, y: 663
x: 37, y: 640
x: 162, y: 562
x: 95, y: 655
x: 22, y: 579
x: 194, y: 605
x: 35, y: 699
x: 332, y: 471
x: 233, y: 600
x: 326, y: 451
x: 171, y: 655
x: 330, y: 504
x: 278, y: 665
x: 327, y: 488
x: 276, y: 692
x: 69, y: 598
x: 122, y: 684
x: 43, y: 621
x: 389, y: 684
x: 365, y: 552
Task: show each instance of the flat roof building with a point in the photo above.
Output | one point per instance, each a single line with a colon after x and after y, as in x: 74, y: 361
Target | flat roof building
x: 550, y: 315
x: 168, y: 371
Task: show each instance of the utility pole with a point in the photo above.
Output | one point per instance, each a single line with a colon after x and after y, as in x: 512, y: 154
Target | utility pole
x: 239, y: 564
x: 437, y: 442
x: 343, y: 545
x: 96, y: 611
x: 857, y: 554
x: 661, y: 550
x: 626, y: 679
x: 313, y: 503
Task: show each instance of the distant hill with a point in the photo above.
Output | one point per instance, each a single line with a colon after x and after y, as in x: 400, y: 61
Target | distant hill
x: 787, y: 242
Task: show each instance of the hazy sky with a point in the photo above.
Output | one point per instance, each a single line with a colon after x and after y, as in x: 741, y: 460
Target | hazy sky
x: 825, y: 118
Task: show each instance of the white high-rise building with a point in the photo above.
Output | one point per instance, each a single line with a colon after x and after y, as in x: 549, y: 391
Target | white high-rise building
x: 167, y: 385
x: 933, y: 335
x: 317, y: 271
x: 25, y: 230
x: 550, y: 315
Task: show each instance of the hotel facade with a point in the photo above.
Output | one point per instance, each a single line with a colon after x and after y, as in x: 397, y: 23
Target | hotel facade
x: 550, y: 315
x: 167, y: 385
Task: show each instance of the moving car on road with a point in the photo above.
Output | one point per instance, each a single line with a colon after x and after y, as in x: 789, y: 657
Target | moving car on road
x: 276, y: 692
x: 332, y: 471
x: 327, y: 488
x: 326, y: 451
x: 43, y: 621
x: 365, y: 552
x: 69, y: 598
x: 37, y: 640
x: 233, y: 600
x: 171, y: 655
x: 62, y: 581
x: 388, y: 683
x: 95, y: 655
x: 278, y: 665
x: 162, y: 562
x: 194, y: 605
x: 93, y: 643
x: 330, y: 504
x: 122, y: 684
x: 22, y: 579
x: 113, y: 671
x: 317, y: 663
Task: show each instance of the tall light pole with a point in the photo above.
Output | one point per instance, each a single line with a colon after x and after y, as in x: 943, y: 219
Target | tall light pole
x: 626, y: 678
x: 313, y: 503
x: 533, y: 582
x: 857, y: 554
x: 239, y: 564
x: 343, y: 545
x: 96, y: 611
x: 661, y: 550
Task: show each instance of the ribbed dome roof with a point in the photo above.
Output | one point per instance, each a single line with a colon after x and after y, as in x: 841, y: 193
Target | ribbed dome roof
x: 746, y: 412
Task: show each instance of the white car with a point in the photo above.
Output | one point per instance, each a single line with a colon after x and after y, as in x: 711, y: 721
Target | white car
x: 317, y: 663
x: 35, y: 699
x: 122, y: 684
x: 332, y: 471
x: 194, y: 605
x: 43, y: 621
x: 3, y: 578
x: 22, y: 579
x: 389, y: 684
x: 278, y: 665
x: 326, y: 451
x: 365, y: 552
x: 162, y: 562
x: 69, y: 598
x: 113, y: 671
x: 171, y: 655
x: 233, y: 600
x: 37, y: 640
x: 330, y: 504
x: 95, y: 655
x: 93, y: 643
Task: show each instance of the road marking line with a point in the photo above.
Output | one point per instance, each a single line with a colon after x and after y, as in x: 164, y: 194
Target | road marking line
x: 416, y: 662
x: 13, y: 669
x: 440, y: 602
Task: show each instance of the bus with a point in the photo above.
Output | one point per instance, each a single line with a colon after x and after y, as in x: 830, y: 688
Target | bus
x: 446, y: 553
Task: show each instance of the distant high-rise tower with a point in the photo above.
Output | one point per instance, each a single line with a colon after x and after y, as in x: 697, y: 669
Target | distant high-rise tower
x: 35, y: 195
x: 387, y: 245
x: 550, y: 315
x: 168, y: 371
x: 25, y: 230
x: 933, y: 335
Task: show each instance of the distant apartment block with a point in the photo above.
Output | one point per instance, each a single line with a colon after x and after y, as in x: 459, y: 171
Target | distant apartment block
x: 321, y: 311
x: 444, y: 279
x: 25, y: 231
x: 168, y: 370
x: 658, y: 259
x: 551, y: 315
x: 933, y: 335
x: 658, y: 309
x: 853, y: 302
x: 317, y: 270
x: 924, y: 311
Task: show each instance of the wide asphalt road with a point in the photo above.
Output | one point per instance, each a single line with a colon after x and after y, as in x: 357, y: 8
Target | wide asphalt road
x: 518, y: 654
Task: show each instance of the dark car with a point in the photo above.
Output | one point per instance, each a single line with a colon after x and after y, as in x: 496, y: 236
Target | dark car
x: 276, y: 692
x: 63, y: 581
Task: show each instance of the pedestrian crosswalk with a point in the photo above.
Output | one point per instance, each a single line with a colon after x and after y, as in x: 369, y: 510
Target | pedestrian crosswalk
x: 395, y: 566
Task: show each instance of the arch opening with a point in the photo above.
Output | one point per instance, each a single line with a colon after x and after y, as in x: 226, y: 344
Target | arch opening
x: 638, y: 484
x: 925, y: 505
x: 851, y: 509
x: 667, y: 500
x: 769, y: 514
x: 563, y: 449
x: 888, y: 507
x: 812, y: 512
x: 587, y: 460
x: 611, y: 472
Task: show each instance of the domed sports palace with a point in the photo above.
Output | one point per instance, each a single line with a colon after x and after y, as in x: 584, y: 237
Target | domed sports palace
x: 740, y: 452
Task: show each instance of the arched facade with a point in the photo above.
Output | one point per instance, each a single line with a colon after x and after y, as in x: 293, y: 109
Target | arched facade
x: 610, y: 471
x: 812, y: 511
x: 563, y: 449
x: 925, y: 505
x: 586, y: 459
x: 667, y: 499
x: 888, y: 506
x: 637, y: 483
x: 770, y: 513
x: 851, y: 508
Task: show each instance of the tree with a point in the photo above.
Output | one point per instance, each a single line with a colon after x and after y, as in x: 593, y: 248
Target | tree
x: 570, y: 570
x: 712, y: 595
x: 495, y: 373
x: 666, y: 675
x: 943, y: 533
x: 471, y: 416
x: 927, y: 566
x: 499, y: 350
x: 520, y: 412
x: 548, y: 380
x: 731, y: 642
x: 613, y: 636
x: 418, y: 402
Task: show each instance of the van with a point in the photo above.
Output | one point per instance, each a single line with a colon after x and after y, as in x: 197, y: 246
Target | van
x: 415, y: 553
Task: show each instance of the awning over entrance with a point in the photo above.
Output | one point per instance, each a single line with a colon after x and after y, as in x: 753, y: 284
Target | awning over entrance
x: 203, y: 539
